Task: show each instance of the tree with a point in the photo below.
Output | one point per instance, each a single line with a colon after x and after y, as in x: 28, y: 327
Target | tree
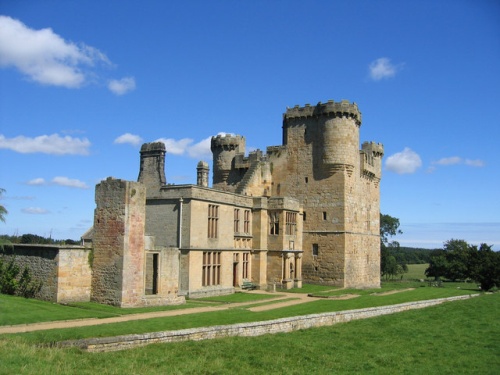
x: 457, y: 253
x: 460, y: 261
x: 484, y: 266
x: 390, y: 266
x: 3, y: 210
x: 437, y: 265
x: 389, y: 227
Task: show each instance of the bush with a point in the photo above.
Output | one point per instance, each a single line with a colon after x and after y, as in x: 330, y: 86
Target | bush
x: 13, y: 284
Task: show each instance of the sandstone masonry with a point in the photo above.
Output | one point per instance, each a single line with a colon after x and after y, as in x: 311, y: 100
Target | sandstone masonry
x: 306, y: 210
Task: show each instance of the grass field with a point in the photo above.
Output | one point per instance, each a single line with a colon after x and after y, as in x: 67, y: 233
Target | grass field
x: 453, y: 338
x: 416, y: 272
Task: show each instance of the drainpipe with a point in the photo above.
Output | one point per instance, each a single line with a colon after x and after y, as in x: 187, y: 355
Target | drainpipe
x: 180, y: 222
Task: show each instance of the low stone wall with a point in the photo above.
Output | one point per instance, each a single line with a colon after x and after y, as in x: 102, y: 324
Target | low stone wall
x: 248, y: 329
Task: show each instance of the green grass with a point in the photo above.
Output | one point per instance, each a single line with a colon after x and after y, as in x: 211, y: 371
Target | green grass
x: 460, y: 337
x: 240, y: 315
x: 240, y: 297
x: 19, y: 310
x: 416, y: 272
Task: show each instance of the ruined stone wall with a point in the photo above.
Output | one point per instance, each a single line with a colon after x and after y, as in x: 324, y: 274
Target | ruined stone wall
x: 74, y: 275
x: 64, y: 272
x: 119, y: 224
x: 168, y: 278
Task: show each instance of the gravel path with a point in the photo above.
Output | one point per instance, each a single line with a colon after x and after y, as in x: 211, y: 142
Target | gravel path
x: 298, y: 298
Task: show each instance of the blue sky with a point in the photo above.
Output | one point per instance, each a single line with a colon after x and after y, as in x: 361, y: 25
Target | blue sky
x: 84, y: 83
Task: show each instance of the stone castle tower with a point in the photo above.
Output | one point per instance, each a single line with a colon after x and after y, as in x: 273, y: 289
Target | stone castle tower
x: 319, y: 164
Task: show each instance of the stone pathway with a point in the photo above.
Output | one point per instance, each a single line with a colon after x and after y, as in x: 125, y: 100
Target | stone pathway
x: 298, y: 298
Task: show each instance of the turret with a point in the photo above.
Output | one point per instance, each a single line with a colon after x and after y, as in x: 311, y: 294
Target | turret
x: 202, y: 174
x: 371, y: 159
x: 152, y: 169
x: 224, y: 150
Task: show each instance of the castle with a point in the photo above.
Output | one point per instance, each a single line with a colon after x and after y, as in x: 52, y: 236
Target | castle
x: 307, y: 210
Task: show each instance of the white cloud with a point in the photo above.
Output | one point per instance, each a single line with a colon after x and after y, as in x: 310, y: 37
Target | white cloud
x: 128, y: 138
x: 37, y: 182
x: 18, y: 198
x: 35, y: 211
x: 448, y: 161
x: 46, y: 144
x: 201, y: 150
x: 176, y: 147
x: 60, y: 181
x: 44, y: 56
x: 122, y: 86
x: 69, y: 182
x: 456, y: 160
x: 474, y: 163
x: 404, y: 162
x: 383, y: 68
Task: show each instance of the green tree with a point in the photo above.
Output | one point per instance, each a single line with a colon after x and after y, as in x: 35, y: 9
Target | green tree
x: 437, y: 265
x: 3, y: 210
x: 484, y: 266
x: 458, y: 255
x: 389, y: 227
x: 390, y: 265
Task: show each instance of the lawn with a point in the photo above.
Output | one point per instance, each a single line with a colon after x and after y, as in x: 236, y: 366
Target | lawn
x: 460, y: 337
x: 238, y: 314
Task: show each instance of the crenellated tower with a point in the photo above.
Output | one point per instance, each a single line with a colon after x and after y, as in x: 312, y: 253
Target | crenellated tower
x: 333, y: 127
x: 338, y: 185
x: 224, y: 150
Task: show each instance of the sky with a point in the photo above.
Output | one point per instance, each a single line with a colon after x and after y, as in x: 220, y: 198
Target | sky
x: 84, y: 83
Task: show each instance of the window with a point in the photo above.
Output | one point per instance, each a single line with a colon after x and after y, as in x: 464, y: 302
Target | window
x: 274, y: 223
x: 315, y: 249
x: 291, y: 223
x: 307, y: 180
x: 213, y: 218
x: 324, y: 215
x: 236, y: 220
x: 304, y: 216
x: 246, y: 222
x: 246, y: 258
x: 211, y: 268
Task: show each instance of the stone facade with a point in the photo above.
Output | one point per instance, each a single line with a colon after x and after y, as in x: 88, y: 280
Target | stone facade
x: 307, y: 210
x: 337, y: 185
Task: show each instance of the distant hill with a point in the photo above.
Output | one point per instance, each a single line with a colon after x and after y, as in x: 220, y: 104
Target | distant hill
x: 412, y: 255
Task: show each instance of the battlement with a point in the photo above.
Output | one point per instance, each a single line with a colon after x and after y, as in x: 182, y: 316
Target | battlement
x: 275, y: 150
x: 153, y: 147
x: 376, y: 149
x: 331, y: 108
x: 227, y: 142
